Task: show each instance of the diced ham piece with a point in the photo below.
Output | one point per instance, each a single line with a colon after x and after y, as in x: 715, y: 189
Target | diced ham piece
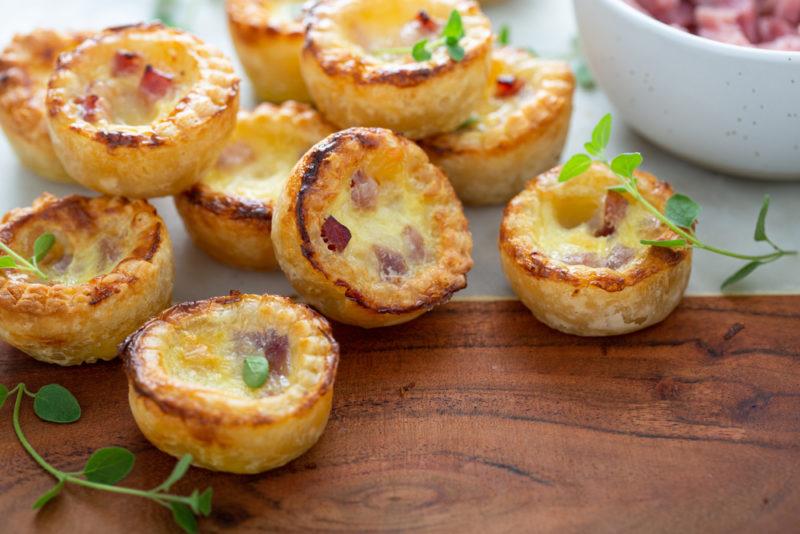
x: 154, y: 84
x: 426, y: 23
x: 589, y: 259
x: 89, y: 106
x: 363, y: 190
x: 125, y: 63
x: 508, y: 86
x: 620, y: 257
x: 771, y: 24
x: 235, y: 154
x: 336, y: 235
x: 415, y: 244
x: 391, y: 264
x: 613, y: 212
x: 274, y: 347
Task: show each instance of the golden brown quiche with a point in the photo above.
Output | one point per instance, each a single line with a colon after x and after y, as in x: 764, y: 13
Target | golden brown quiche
x: 187, y: 387
x: 141, y: 111
x: 110, y: 270
x: 517, y: 132
x: 229, y: 212
x: 369, y: 231
x: 25, y: 66
x: 573, y: 254
x: 358, y: 66
x: 268, y: 36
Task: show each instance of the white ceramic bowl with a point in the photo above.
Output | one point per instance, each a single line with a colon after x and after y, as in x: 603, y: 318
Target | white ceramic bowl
x: 731, y: 108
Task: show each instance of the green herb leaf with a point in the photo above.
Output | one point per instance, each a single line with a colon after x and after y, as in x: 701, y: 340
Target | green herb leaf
x: 618, y: 189
x: 469, y: 123
x: 42, y: 246
x: 577, y: 165
x: 256, y: 371
x: 7, y: 262
x: 54, y: 403
x: 741, y: 274
x: 601, y: 134
x: 504, y: 37
x: 184, y: 517
x: 672, y: 243
x: 455, y: 51
x: 454, y: 29
x: 109, y: 465
x: 761, y: 224
x: 682, y: 210
x: 626, y: 164
x: 584, y: 76
x: 205, y: 502
x: 177, y: 473
x: 420, y: 51
x: 3, y: 395
x: 49, y: 495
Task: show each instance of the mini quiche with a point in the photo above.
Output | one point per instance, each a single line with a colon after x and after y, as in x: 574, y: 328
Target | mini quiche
x: 369, y: 231
x: 572, y: 252
x: 228, y: 213
x: 110, y: 270
x: 517, y: 132
x: 141, y: 111
x: 187, y: 389
x: 25, y: 66
x: 268, y: 36
x: 358, y: 66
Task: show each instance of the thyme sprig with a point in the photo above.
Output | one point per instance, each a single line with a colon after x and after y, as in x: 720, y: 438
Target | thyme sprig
x: 680, y: 213
x: 107, y: 466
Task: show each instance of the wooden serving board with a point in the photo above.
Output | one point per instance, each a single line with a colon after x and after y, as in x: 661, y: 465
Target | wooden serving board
x: 477, y: 418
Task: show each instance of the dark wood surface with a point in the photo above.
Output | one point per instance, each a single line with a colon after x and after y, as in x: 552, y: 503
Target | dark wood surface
x: 476, y: 418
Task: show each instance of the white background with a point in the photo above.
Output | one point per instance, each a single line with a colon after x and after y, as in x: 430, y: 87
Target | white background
x: 730, y: 205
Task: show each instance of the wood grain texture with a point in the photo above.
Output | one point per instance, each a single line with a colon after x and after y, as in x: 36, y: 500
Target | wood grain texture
x: 477, y: 418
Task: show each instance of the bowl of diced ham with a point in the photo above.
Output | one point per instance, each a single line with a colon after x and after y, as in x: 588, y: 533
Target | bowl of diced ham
x: 716, y: 82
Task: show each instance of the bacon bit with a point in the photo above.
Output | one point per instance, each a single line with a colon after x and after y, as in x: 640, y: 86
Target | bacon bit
x: 426, y: 23
x: 615, y: 208
x: 235, y: 154
x: 619, y: 257
x: 274, y: 346
x: 154, y: 83
x: 88, y: 105
x: 125, y: 63
x: 335, y: 234
x: 508, y: 86
x: 391, y: 263
x: 589, y: 259
x: 416, y: 244
x: 363, y: 190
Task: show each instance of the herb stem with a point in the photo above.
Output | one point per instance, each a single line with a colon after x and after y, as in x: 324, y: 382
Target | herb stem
x: 24, y: 441
x: 22, y: 263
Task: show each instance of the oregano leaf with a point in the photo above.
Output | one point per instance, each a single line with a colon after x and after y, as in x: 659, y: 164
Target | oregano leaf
x: 49, y: 495
x: 205, y: 502
x: 455, y: 51
x: 184, y: 517
x: 741, y: 274
x: 504, y: 37
x: 454, y: 29
x: 3, y: 395
x: 682, y: 211
x: 42, y: 246
x: 761, y: 224
x: 626, y: 164
x: 54, y: 403
x: 177, y: 472
x: 7, y: 262
x: 255, y: 371
x: 601, y: 134
x: 109, y: 465
x: 575, y: 166
x: 420, y: 51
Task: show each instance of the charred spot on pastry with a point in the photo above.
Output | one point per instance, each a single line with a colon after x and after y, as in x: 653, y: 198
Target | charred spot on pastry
x: 391, y: 263
x: 508, y: 86
x: 363, y: 190
x: 336, y: 235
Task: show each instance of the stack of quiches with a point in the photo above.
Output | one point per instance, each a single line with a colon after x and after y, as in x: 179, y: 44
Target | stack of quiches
x: 350, y: 178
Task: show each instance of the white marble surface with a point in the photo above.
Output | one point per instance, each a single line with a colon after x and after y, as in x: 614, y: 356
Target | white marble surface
x: 730, y: 204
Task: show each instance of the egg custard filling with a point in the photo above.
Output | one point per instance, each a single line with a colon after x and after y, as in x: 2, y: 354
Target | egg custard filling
x: 369, y: 231
x: 110, y: 269
x: 229, y: 212
x: 187, y: 388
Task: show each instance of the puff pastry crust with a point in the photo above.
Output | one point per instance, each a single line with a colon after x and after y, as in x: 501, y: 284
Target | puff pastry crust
x: 268, y: 36
x: 110, y: 270
x: 25, y: 66
x: 186, y: 389
x: 355, y: 82
x: 228, y: 213
x: 572, y: 253
x: 518, y: 132
x: 369, y: 231
x: 141, y: 111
